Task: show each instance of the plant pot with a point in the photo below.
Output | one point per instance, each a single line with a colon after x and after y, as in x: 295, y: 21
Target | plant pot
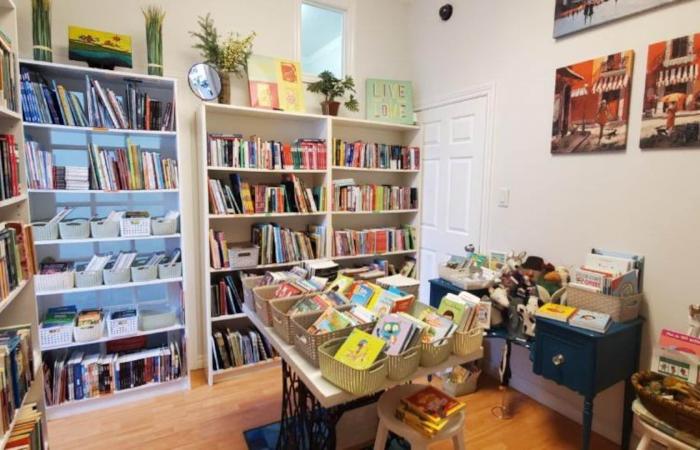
x: 225, y: 95
x: 330, y: 108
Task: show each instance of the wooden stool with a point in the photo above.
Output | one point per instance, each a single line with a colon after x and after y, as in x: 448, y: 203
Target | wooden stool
x: 651, y: 434
x: 386, y: 408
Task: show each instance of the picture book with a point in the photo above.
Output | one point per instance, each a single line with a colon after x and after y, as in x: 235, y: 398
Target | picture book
x: 341, y: 284
x: 287, y: 290
x: 625, y: 285
x: 432, y: 404
x: 396, y: 331
x: 673, y: 340
x: 425, y: 427
x: 330, y: 320
x: 497, y: 259
x: 362, y: 314
x: 611, y: 264
x: 275, y: 83
x: 363, y: 294
x: 305, y: 305
x: 591, y: 320
x: 439, y: 327
x: 360, y: 350
x: 452, y: 307
x: 383, y: 303
x: 483, y: 315
x: 556, y: 311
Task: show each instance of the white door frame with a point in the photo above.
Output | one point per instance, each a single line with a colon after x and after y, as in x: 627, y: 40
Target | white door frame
x: 487, y: 90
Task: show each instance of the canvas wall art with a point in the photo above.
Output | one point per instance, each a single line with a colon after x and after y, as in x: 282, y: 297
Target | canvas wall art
x: 671, y: 112
x: 389, y: 101
x: 591, y: 105
x: 571, y: 16
x: 275, y: 83
x: 102, y: 49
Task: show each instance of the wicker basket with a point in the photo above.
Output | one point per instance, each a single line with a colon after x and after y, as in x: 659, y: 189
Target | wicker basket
x: 403, y: 365
x: 103, y: 228
x: 621, y: 309
x: 263, y: 295
x: 87, y: 279
x: 248, y: 284
x: 74, y: 229
x: 117, y: 276
x: 436, y: 353
x: 169, y: 270
x: 674, y: 413
x: 160, y: 226
x: 45, y: 231
x: 355, y: 381
x: 282, y: 321
x: 468, y: 342
x: 307, y: 343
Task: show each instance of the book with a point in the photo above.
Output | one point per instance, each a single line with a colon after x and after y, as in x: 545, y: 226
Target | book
x: 439, y: 327
x: 591, y: 320
x: 397, y: 331
x: 353, y: 198
x: 453, y: 307
x: 360, y: 350
x: 232, y: 150
x: 330, y: 320
x: 432, y: 404
x: 363, y: 294
x: 373, y: 241
x: 375, y: 156
x: 555, y: 311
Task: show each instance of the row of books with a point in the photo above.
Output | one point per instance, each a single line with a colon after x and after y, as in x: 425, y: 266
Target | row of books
x: 108, y: 169
x: 16, y: 371
x: 9, y: 167
x: 283, y: 245
x: 255, y: 153
x: 236, y: 348
x: 350, y: 197
x: 98, y: 106
x: 581, y: 318
x: 17, y: 257
x: 375, y: 156
x: 28, y: 433
x: 225, y: 298
x: 8, y: 74
x: 72, y: 376
x: 373, y: 241
x: 610, y: 273
x: 241, y: 197
x: 428, y: 410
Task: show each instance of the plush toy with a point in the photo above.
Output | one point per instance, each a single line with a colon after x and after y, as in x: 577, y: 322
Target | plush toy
x: 527, y: 313
x: 694, y: 321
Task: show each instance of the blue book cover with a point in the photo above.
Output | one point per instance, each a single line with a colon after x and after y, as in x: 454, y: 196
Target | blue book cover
x: 362, y: 295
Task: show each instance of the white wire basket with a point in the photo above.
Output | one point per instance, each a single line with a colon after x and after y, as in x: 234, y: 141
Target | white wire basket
x: 135, y: 226
x: 55, y: 336
x: 123, y: 326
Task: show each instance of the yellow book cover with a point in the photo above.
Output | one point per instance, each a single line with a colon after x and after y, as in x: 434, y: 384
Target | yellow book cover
x: 360, y: 350
x: 432, y: 404
x: 556, y: 311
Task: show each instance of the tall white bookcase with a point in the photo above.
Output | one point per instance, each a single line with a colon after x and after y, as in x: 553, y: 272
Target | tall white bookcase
x: 287, y: 127
x: 69, y: 146
x: 19, y: 307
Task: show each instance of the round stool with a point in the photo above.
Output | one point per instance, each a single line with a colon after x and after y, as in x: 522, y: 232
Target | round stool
x: 386, y: 408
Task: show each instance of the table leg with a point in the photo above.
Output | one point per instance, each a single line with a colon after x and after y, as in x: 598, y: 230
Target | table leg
x: 627, y: 415
x: 587, y: 422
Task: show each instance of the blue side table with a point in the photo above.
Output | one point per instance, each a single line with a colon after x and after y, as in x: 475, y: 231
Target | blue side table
x: 439, y: 288
x: 588, y: 363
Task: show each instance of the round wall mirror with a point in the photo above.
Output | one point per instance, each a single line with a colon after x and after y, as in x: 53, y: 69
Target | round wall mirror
x: 204, y: 81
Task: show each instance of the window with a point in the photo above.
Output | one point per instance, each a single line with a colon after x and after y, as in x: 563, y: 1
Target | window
x: 322, y: 39
x: 679, y: 48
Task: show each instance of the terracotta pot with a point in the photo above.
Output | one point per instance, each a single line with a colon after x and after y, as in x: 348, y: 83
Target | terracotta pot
x: 330, y: 108
x: 225, y: 95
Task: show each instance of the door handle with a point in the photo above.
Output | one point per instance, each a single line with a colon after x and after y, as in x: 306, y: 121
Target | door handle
x: 558, y: 360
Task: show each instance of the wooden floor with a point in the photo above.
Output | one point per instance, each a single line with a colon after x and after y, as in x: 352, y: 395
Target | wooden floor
x: 215, y: 417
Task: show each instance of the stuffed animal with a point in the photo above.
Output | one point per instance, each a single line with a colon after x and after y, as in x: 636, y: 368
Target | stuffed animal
x: 499, y: 303
x: 694, y: 321
x: 527, y: 313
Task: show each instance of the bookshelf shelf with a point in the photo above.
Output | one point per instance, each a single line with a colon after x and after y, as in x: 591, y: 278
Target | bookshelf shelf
x: 13, y: 201
x: 93, y: 191
x: 6, y: 4
x: 115, y: 338
x: 109, y: 287
x: 9, y: 114
x: 98, y: 240
x: 249, y: 367
x: 287, y: 128
x: 249, y: 170
x: 67, y: 128
x: 4, y: 303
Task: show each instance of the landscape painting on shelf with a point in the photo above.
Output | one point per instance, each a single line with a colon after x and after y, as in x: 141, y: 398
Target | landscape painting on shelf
x: 671, y: 115
x: 572, y: 16
x: 591, y: 105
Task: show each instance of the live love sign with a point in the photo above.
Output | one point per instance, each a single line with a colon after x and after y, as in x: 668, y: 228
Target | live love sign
x: 389, y: 101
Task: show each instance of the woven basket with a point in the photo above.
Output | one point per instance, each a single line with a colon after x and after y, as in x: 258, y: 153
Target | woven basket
x: 263, y: 295
x: 674, y: 413
x: 355, y: 381
x: 468, y: 342
x: 307, y: 343
x: 74, y: 229
x: 434, y: 354
x: 403, y: 365
x: 282, y: 321
x: 621, y: 309
x: 248, y: 284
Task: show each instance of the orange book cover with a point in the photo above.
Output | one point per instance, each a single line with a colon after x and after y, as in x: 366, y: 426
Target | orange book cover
x: 432, y: 404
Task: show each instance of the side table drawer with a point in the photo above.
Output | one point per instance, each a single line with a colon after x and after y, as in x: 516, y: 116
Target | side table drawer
x: 564, y: 362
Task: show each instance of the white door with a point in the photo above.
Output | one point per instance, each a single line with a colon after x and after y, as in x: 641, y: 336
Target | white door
x: 454, y: 148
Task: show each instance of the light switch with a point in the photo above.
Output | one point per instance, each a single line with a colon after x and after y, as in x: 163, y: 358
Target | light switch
x: 503, y: 197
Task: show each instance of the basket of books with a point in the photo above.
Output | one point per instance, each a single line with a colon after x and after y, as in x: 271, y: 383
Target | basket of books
x: 263, y: 295
x: 169, y: 270
x: 50, y: 279
x: 45, y: 231
x: 313, y: 329
x: 161, y: 226
x: 89, y: 325
x: 123, y: 322
x: 88, y: 278
x: 57, y: 327
x: 437, y: 335
x: 620, y: 309
x: 284, y: 309
x: 467, y: 342
x: 400, y: 282
x: 74, y: 229
x: 102, y: 227
x: 135, y: 224
x: 355, y: 364
x: 116, y: 276
x: 402, y: 334
x: 248, y: 282
x: 144, y: 273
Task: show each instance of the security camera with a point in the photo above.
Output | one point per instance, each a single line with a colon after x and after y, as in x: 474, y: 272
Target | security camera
x: 445, y: 12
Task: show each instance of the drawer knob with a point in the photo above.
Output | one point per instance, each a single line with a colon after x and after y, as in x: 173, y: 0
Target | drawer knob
x: 558, y: 360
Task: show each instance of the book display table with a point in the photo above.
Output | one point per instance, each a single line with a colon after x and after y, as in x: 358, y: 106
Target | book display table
x: 312, y: 405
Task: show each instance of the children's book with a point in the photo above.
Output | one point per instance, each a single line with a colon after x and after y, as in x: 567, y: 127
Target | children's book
x: 591, y: 320
x: 330, y: 320
x: 362, y: 314
x: 439, y: 327
x: 305, y: 305
x: 396, y: 331
x: 360, y: 350
x: 384, y: 303
x: 363, y: 294
x: 432, y: 404
x: 341, y: 284
x: 556, y: 311
x: 452, y: 307
x: 287, y: 290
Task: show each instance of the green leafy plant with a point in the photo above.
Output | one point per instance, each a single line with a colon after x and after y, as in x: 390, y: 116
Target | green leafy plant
x: 154, y: 16
x: 332, y: 87
x: 41, y: 30
x: 227, y: 55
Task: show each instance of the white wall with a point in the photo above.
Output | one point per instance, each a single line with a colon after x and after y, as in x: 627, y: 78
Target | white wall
x: 645, y: 202
x: 380, y: 45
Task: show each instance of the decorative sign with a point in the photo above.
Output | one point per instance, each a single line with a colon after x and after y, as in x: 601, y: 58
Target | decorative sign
x: 390, y: 101
x: 275, y: 83
x: 101, y: 49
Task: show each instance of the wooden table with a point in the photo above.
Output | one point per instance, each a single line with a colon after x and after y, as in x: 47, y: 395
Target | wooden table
x: 312, y: 405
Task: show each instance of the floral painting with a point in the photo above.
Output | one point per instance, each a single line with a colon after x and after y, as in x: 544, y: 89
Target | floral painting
x: 99, y: 48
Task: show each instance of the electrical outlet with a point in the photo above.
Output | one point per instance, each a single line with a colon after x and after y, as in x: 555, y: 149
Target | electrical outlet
x: 503, y: 197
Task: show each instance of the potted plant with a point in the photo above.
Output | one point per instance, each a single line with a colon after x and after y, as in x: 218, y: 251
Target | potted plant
x: 331, y: 88
x: 228, y: 56
x: 154, y: 16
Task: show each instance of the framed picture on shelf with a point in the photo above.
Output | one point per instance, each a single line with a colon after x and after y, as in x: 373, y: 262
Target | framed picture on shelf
x: 591, y: 105
x: 101, y: 49
x: 671, y: 112
x: 275, y: 83
x: 389, y: 101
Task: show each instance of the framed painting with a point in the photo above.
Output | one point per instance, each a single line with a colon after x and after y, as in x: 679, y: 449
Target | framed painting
x: 101, y: 49
x: 591, y: 105
x: 389, y: 101
x: 275, y: 83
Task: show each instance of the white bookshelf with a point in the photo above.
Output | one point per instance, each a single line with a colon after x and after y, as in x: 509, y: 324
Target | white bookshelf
x: 287, y: 127
x: 69, y: 145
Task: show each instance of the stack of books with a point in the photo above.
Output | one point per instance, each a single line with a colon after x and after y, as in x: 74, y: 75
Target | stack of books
x: 27, y: 433
x: 240, y: 197
x: 9, y: 167
x: 581, y: 318
x: 16, y: 370
x: 97, y: 106
x: 610, y: 273
x: 347, y: 196
x: 255, y: 153
x: 16, y: 255
x: 236, y: 348
x: 8, y: 74
x: 373, y: 241
x: 76, y: 178
x: 375, y: 156
x: 428, y: 410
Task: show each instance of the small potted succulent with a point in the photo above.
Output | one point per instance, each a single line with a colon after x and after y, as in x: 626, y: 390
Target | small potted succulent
x: 331, y: 88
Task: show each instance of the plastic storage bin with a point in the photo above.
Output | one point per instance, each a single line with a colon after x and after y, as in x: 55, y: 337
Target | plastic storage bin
x: 85, y: 279
x: 89, y: 333
x: 169, y: 270
x: 45, y: 231
x: 144, y: 273
x: 101, y: 228
x: 56, y: 336
x: 54, y: 281
x: 112, y: 277
x: 123, y: 326
x: 135, y: 226
x: 161, y: 226
x: 74, y: 229
x: 242, y: 255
